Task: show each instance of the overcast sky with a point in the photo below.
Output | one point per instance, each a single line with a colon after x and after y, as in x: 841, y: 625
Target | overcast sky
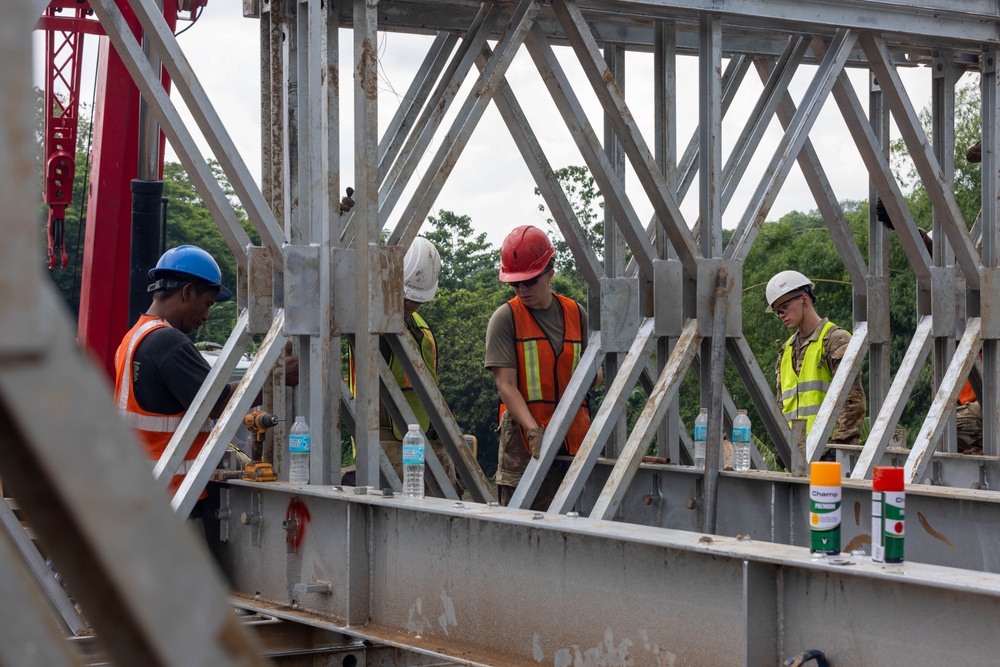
x: 490, y: 183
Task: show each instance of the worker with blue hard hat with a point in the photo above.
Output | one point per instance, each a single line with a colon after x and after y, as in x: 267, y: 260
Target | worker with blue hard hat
x: 158, y: 370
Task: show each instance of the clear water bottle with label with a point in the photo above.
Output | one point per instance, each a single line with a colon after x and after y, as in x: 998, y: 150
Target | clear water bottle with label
x: 298, y: 451
x: 414, y: 445
x: 741, y: 442
x: 700, y: 436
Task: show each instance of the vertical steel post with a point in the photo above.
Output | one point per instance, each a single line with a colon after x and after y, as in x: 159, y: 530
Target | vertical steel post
x: 878, y: 263
x: 710, y: 210
x: 665, y: 147
x: 614, y: 241
x: 366, y: 343
x: 991, y: 237
x: 943, y: 139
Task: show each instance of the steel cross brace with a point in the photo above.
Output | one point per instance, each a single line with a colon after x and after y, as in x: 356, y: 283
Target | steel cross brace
x: 944, y: 402
x: 225, y: 428
x: 645, y: 427
x: 173, y: 127
x: 457, y: 138
x: 627, y: 132
x: 790, y: 146
x: 895, y: 401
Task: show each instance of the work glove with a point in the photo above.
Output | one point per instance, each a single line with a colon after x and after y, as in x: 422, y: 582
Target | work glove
x: 535, y: 440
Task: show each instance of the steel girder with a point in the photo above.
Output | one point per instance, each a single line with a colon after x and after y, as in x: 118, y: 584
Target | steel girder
x: 479, y: 585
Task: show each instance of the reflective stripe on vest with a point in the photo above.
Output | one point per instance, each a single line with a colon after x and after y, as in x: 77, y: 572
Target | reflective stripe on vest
x: 803, y: 393
x: 544, y: 373
x: 428, y: 351
x: 155, y: 430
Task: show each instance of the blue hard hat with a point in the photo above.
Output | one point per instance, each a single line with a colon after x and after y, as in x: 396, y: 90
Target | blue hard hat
x: 192, y: 261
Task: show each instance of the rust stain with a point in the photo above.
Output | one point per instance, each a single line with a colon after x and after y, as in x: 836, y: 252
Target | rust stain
x: 857, y: 542
x: 297, y: 514
x: 857, y: 512
x: 933, y: 533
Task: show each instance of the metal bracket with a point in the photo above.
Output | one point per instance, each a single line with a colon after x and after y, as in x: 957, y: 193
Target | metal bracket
x: 708, y: 269
x: 942, y: 302
x: 223, y: 514
x: 669, y: 288
x: 259, y: 289
x: 619, y: 313
x: 989, y: 306
x: 301, y: 290
x: 254, y: 518
x: 319, y: 586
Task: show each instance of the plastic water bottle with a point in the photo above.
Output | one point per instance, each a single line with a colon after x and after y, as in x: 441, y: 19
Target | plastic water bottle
x: 700, y: 436
x: 413, y: 462
x: 298, y: 452
x: 741, y: 442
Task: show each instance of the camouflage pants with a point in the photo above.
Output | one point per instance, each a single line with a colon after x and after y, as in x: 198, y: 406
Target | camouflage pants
x: 512, y: 459
x: 969, y: 423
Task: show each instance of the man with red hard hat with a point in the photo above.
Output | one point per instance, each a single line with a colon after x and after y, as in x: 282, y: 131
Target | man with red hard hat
x: 533, y: 344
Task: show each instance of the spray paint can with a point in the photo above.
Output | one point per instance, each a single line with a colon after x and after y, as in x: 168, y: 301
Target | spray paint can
x: 888, y: 515
x: 824, y: 507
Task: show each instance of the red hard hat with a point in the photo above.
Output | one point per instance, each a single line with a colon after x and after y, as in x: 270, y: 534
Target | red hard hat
x: 525, y: 253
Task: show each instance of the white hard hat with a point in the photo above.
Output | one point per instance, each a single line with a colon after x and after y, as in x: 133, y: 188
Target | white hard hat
x: 783, y: 283
x: 421, y: 268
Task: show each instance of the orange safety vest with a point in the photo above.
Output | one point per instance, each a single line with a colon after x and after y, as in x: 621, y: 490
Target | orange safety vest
x: 154, y: 429
x: 543, y: 373
x: 968, y: 394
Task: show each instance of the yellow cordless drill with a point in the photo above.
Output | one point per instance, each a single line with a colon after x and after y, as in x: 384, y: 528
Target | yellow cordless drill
x: 257, y: 423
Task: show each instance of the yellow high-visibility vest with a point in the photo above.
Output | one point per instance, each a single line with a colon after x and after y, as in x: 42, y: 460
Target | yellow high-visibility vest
x: 802, y: 393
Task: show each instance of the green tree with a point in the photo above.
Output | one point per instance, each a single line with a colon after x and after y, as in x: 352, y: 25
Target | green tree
x: 463, y: 255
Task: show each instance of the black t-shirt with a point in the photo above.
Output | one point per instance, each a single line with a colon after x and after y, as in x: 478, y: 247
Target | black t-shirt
x: 167, y: 372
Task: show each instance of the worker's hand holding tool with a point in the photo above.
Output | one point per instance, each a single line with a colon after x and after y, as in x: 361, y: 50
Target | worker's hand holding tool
x: 535, y: 440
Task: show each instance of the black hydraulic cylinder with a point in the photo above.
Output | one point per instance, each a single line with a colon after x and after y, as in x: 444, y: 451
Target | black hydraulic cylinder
x: 147, y: 223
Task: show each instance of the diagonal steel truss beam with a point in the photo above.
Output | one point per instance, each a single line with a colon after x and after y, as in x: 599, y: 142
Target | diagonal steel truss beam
x: 880, y: 171
x: 826, y: 200
x: 271, y: 349
x: 790, y: 145
x: 944, y: 402
x: 922, y: 153
x: 457, y: 138
x: 148, y: 82
x: 405, y: 349
x: 850, y: 366
x: 895, y: 401
x: 645, y: 427
x: 635, y: 362
x: 594, y: 155
x: 626, y: 130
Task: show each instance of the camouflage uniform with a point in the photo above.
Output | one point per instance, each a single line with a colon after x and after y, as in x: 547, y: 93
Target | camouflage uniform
x: 969, y: 427
x: 852, y: 416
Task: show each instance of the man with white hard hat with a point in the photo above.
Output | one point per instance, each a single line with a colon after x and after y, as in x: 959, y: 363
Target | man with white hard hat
x: 421, y: 269
x: 811, y: 357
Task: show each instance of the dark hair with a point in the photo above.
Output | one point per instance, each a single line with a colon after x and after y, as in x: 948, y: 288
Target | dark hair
x: 549, y: 267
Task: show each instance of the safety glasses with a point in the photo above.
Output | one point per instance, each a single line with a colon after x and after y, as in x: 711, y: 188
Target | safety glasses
x: 525, y: 284
x: 780, y: 309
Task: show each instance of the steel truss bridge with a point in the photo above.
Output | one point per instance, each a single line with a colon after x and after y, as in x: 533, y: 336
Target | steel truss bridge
x: 633, y: 564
